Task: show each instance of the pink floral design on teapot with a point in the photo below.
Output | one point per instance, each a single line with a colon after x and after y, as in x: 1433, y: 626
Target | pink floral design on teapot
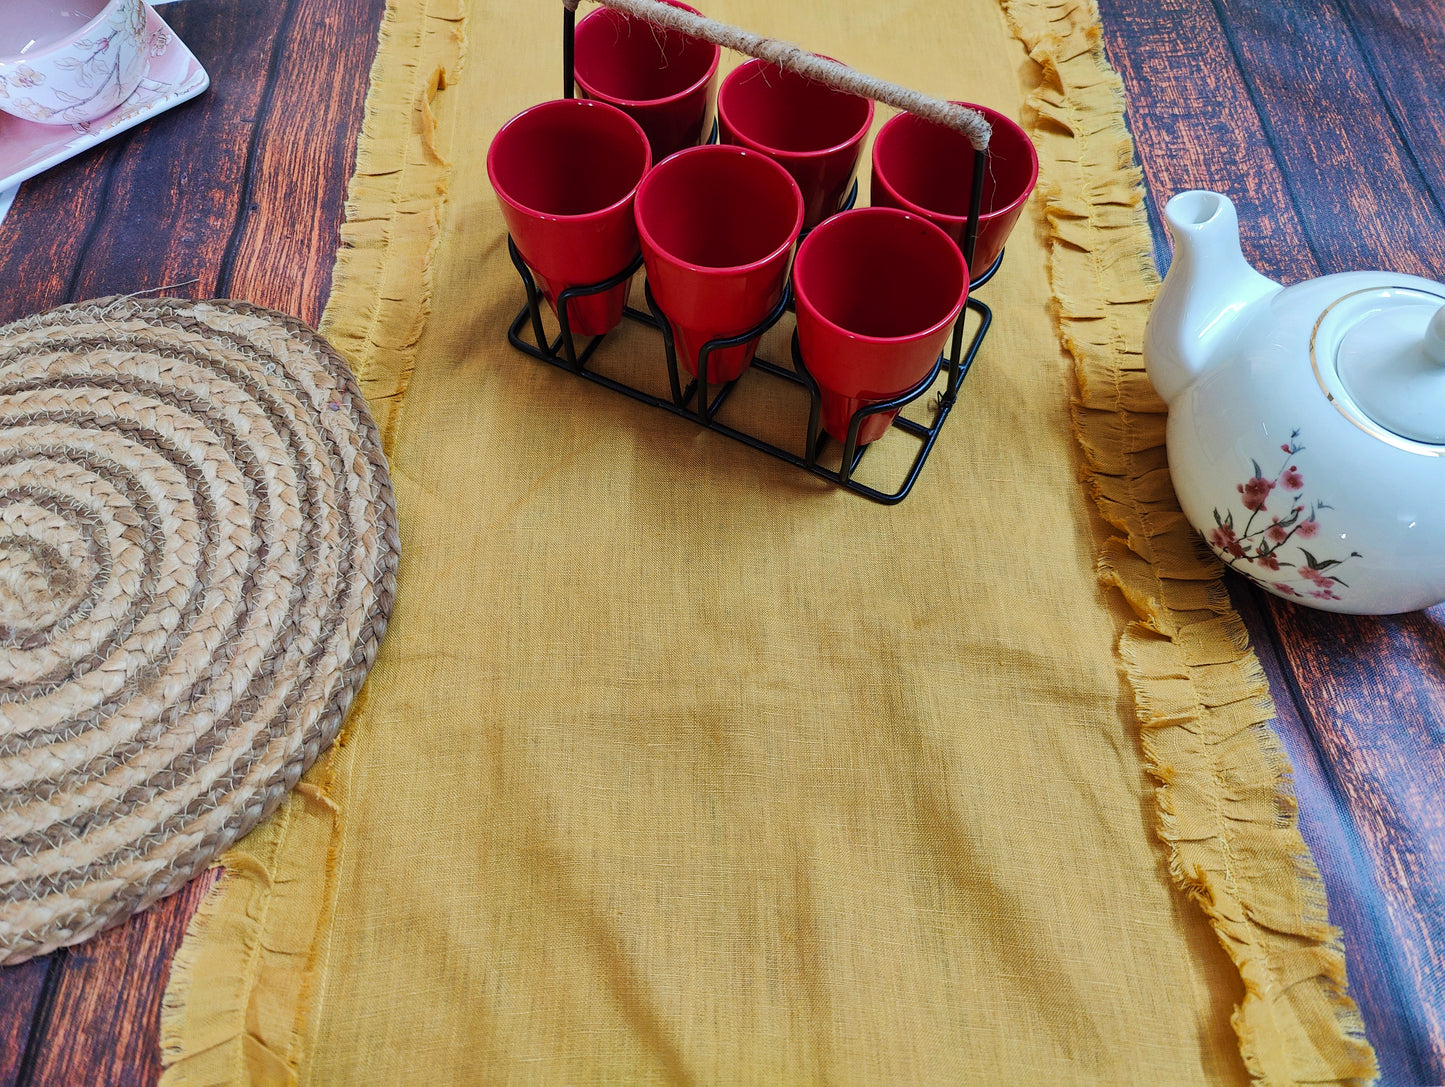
x: 1263, y: 547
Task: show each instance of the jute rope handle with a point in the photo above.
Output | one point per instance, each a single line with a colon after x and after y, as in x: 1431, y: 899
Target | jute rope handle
x: 795, y: 58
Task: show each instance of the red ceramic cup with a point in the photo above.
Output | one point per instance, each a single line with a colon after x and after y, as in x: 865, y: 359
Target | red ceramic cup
x: 927, y: 169
x: 813, y: 131
x: 718, y: 225
x: 566, y: 173
x: 877, y: 293
x: 662, y: 79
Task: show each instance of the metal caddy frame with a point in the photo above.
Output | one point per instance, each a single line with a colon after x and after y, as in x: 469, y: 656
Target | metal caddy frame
x: 697, y: 401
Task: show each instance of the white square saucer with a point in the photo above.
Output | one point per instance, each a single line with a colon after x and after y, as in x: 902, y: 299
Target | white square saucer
x: 174, y: 76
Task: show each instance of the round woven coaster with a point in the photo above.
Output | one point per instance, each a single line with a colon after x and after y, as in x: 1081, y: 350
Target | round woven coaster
x: 198, y: 554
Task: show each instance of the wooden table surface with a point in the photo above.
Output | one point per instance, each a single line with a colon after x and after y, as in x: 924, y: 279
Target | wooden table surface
x: 1320, y: 118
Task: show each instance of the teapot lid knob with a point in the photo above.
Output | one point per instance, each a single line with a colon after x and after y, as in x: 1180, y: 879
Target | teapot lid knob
x: 1434, y: 344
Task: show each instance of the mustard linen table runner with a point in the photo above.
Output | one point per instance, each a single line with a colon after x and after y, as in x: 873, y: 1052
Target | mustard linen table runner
x: 680, y: 766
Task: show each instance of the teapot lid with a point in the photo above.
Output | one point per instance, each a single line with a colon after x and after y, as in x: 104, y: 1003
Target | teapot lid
x: 1380, y: 354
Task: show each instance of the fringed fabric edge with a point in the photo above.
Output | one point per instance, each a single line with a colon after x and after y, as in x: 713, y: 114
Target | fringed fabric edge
x: 1225, y: 797
x: 230, y: 1020
x: 247, y: 1022
x: 382, y: 282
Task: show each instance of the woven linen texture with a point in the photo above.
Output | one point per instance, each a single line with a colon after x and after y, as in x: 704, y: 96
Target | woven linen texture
x: 681, y: 766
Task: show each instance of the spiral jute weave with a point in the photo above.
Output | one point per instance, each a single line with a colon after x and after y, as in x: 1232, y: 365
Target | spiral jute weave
x: 198, y: 553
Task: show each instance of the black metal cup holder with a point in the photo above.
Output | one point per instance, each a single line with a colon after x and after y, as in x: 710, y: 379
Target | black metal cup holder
x: 696, y: 401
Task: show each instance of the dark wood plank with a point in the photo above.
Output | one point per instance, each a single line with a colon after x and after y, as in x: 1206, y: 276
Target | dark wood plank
x: 103, y: 1019
x: 21, y: 988
x: 1357, y: 188
x: 236, y: 190
x: 242, y: 190
x: 285, y: 244
x: 1194, y: 124
x: 172, y: 199
x: 1335, y: 164
x: 43, y: 236
x: 138, y: 211
x: 1401, y: 40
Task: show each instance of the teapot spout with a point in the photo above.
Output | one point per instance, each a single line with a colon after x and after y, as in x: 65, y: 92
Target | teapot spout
x: 1209, y: 285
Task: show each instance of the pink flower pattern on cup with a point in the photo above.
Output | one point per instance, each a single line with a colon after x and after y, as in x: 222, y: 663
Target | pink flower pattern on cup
x: 84, y: 79
x: 1261, y: 546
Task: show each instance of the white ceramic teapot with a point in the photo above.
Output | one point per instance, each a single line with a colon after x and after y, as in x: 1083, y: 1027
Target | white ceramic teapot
x: 1306, y: 423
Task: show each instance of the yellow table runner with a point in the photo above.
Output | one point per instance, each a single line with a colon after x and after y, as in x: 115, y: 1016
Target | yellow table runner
x: 679, y: 766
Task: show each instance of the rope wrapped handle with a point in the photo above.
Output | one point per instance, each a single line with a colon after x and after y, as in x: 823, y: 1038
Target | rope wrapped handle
x: 795, y: 58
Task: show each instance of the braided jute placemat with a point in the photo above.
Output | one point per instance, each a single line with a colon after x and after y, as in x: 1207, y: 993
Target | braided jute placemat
x: 198, y: 552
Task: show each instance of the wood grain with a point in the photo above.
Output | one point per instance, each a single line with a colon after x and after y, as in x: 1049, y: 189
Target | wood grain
x: 154, y: 205
x: 242, y: 191
x: 284, y: 245
x: 1193, y: 121
x: 1356, y: 187
x: 21, y: 988
x: 1320, y: 122
x: 39, y: 267
x: 1401, y: 40
x: 173, y: 194
x: 104, y: 1014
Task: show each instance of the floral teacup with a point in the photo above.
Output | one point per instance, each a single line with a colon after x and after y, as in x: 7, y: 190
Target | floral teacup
x: 59, y: 68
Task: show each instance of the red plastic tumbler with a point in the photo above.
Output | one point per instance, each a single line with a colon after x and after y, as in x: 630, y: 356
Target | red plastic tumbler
x: 877, y: 292
x: 566, y: 173
x: 926, y: 168
x: 718, y: 225
x: 813, y: 131
x: 660, y: 78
